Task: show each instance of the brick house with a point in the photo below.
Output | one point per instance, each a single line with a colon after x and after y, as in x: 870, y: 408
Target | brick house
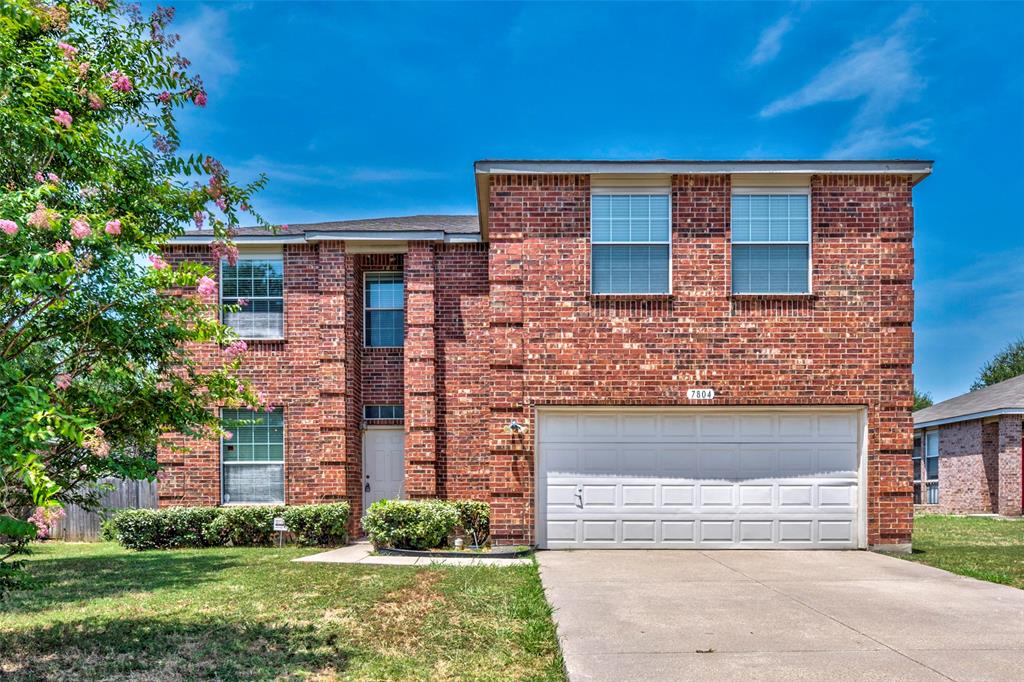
x: 638, y: 354
x: 969, y: 452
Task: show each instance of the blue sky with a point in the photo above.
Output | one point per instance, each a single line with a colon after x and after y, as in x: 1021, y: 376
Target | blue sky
x: 358, y: 110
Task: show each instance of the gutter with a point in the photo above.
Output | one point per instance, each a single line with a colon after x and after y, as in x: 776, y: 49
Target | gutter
x: 314, y: 237
x: 969, y: 417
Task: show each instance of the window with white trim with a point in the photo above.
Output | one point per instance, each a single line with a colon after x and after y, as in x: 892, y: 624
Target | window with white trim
x: 926, y: 468
x: 771, y: 242
x: 252, y: 460
x: 256, y: 285
x: 630, y: 235
x: 384, y: 301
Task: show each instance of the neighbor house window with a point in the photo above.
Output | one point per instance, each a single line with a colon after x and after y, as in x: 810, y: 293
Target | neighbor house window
x: 256, y: 285
x: 374, y: 412
x: 630, y: 243
x: 771, y: 243
x: 926, y: 468
x: 253, y: 458
x: 385, y: 309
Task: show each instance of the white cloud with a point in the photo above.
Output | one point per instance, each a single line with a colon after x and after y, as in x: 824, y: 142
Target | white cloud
x: 881, y: 73
x: 323, y: 175
x: 770, y: 43
x: 205, y: 41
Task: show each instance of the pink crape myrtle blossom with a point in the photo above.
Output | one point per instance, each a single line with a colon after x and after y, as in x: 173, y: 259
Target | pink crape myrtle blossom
x: 80, y: 229
x: 158, y: 262
x: 44, y: 518
x: 197, y: 218
x: 120, y: 82
x: 95, y: 103
x: 113, y: 227
x: 222, y: 203
x: 83, y: 69
x: 242, y: 302
x: 9, y: 226
x: 39, y: 177
x: 164, y: 97
x: 228, y: 435
x: 236, y: 349
x: 199, y: 97
x: 53, y: 178
x: 62, y: 381
x: 227, y: 251
x: 62, y: 247
x: 62, y: 118
x: 69, y: 50
x: 207, y: 288
x: 42, y: 217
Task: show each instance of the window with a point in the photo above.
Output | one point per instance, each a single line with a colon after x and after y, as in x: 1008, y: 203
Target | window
x: 259, y: 282
x: 771, y: 243
x: 371, y: 412
x: 630, y: 243
x: 385, y: 309
x: 926, y: 461
x: 253, y: 458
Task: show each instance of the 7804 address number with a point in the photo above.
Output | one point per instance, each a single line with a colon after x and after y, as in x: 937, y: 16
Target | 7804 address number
x: 700, y: 394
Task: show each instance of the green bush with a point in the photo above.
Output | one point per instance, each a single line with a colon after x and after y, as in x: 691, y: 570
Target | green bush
x: 474, y: 519
x: 410, y: 524
x: 246, y: 526
x: 108, y: 530
x: 324, y: 525
x: 166, y: 528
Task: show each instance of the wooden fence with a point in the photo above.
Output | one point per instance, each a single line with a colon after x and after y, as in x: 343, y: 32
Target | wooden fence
x: 82, y: 525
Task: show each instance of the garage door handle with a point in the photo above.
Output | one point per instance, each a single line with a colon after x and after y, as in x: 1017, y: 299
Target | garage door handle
x: 579, y: 496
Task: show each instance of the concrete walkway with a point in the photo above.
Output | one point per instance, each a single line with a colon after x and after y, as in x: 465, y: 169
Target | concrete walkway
x: 362, y: 553
x: 756, y: 616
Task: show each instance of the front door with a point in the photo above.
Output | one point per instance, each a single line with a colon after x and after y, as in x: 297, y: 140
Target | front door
x: 383, y: 464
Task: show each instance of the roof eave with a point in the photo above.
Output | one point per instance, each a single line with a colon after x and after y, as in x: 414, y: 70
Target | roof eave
x: 969, y: 417
x: 325, y: 236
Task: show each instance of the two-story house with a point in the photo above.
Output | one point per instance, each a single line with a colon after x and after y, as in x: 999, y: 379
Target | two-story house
x: 612, y: 354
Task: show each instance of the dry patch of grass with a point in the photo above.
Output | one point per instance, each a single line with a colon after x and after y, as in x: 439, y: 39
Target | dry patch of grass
x: 101, y: 613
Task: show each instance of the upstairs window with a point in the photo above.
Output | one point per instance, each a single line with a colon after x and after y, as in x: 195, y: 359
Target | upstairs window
x: 384, y: 300
x: 258, y: 281
x: 253, y: 458
x: 630, y: 243
x: 771, y: 243
x: 379, y: 412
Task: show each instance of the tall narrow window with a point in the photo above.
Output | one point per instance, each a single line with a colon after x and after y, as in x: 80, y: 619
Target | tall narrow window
x: 917, y: 469
x: 771, y: 243
x: 931, y: 466
x: 630, y: 243
x: 253, y: 458
x: 256, y: 284
x: 384, y: 300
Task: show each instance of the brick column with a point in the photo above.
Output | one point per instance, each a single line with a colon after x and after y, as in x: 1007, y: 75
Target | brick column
x: 419, y: 364
x: 1010, y: 465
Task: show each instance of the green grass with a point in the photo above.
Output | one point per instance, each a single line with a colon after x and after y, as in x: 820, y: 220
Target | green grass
x: 983, y: 548
x: 100, y: 612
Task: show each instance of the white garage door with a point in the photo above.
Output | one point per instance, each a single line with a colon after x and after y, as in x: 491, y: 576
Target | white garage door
x: 766, y: 479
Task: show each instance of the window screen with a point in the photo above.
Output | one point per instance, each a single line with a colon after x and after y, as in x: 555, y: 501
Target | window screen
x: 253, y: 458
x: 259, y: 282
x: 384, y: 301
x: 771, y: 243
x: 630, y: 235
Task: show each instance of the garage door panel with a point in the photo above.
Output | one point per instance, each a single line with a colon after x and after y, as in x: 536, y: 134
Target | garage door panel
x: 695, y: 480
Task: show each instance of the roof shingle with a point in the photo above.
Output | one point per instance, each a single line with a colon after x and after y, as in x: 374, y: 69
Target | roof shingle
x: 1006, y: 395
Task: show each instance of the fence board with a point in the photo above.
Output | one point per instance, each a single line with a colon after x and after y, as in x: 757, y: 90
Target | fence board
x: 82, y: 525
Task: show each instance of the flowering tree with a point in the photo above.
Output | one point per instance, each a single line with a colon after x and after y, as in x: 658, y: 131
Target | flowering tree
x: 93, y: 350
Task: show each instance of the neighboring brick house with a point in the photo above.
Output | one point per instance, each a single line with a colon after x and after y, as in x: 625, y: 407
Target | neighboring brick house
x: 969, y: 452
x: 614, y: 354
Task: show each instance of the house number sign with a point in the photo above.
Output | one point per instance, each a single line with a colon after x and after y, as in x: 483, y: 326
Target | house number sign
x: 700, y: 394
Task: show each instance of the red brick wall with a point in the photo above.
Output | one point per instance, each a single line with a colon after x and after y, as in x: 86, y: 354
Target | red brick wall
x: 967, y: 468
x: 849, y: 344
x: 495, y: 330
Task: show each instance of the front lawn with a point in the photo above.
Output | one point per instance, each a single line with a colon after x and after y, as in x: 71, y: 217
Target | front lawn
x: 984, y: 548
x: 102, y: 612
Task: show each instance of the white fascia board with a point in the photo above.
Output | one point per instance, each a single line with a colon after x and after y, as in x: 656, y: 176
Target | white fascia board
x: 309, y: 237
x: 969, y: 417
x: 697, y: 167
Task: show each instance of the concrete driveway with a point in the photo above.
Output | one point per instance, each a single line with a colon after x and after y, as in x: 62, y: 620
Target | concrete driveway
x: 754, y: 615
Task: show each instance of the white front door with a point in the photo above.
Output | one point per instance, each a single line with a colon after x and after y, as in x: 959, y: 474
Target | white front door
x: 383, y: 464
x: 766, y: 479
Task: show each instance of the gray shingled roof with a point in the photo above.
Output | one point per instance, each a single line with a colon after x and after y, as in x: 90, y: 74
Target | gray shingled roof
x: 1006, y: 395
x: 449, y: 224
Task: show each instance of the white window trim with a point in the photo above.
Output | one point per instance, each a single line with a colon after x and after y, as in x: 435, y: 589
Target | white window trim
x: 660, y: 191
x: 254, y: 255
x: 284, y: 468
x: 810, y: 239
x: 367, y: 308
x: 922, y: 483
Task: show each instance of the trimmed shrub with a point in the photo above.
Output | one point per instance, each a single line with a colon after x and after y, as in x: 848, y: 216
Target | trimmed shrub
x: 108, y: 530
x: 410, y: 524
x: 246, y: 526
x: 324, y: 525
x: 474, y: 519
x: 166, y: 528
